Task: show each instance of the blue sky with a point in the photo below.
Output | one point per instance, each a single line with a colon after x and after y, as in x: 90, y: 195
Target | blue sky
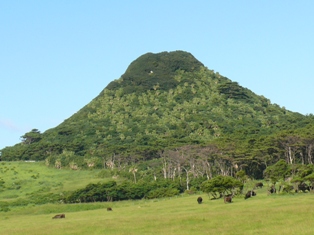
x: 56, y: 56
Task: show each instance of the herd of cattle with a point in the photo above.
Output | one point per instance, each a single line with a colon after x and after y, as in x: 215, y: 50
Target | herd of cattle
x: 302, y: 187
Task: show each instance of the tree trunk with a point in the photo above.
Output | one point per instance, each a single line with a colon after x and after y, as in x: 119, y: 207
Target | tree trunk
x: 309, y: 154
x: 134, y: 177
x: 290, y: 155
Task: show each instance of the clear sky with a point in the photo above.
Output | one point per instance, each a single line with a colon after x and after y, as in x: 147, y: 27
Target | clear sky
x: 56, y: 56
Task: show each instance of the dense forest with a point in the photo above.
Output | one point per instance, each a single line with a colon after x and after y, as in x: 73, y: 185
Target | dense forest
x: 169, y: 115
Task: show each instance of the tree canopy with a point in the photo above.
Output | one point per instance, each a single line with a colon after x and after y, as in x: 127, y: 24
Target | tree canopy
x: 167, y: 104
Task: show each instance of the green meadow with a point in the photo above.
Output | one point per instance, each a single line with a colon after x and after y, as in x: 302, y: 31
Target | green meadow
x: 262, y: 214
x: 22, y: 180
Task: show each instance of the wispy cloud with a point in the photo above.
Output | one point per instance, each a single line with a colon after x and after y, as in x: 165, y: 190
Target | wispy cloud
x: 10, y: 125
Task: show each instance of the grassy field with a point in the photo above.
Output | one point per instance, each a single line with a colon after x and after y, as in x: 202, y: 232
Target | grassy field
x: 23, y: 179
x: 288, y: 214
x: 262, y: 214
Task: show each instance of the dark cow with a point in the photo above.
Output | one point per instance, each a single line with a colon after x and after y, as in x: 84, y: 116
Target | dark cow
x: 259, y: 185
x: 228, y: 199
x: 199, y: 200
x: 272, y: 189
x: 249, y: 194
x: 303, y: 187
x: 109, y: 209
x: 59, y: 216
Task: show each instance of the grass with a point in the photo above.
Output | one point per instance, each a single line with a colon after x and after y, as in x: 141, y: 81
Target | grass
x: 262, y: 214
x: 23, y: 179
x: 287, y: 214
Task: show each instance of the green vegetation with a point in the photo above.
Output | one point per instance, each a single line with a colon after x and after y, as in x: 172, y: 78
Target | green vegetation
x: 32, y: 183
x: 155, y: 71
x: 111, y: 191
x: 166, y: 132
x: 169, y: 116
x: 262, y: 214
x: 31, y: 194
x: 222, y: 185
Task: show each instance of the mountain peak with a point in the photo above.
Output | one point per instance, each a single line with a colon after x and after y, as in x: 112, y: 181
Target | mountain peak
x: 151, y: 69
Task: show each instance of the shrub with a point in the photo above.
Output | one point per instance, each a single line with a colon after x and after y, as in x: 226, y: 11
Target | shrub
x: 162, y: 192
x: 220, y: 185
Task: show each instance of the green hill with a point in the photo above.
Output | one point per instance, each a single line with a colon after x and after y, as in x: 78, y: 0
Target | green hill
x: 150, y: 70
x: 166, y: 101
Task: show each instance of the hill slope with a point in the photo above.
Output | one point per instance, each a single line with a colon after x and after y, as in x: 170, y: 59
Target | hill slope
x: 163, y: 100
x: 151, y: 69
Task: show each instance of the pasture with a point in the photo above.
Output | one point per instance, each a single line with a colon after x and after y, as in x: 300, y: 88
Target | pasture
x: 262, y: 214
x: 22, y: 180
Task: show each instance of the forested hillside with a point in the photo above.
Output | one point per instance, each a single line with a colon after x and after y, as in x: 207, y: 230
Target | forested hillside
x: 169, y: 106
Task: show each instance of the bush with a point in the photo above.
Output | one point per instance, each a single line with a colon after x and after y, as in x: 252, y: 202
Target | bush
x: 162, y: 192
x: 127, y: 190
x: 220, y: 185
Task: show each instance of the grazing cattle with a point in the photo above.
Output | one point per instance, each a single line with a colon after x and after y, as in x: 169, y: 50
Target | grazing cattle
x: 109, y: 209
x: 59, y: 216
x: 249, y: 194
x: 272, y: 189
x: 259, y: 185
x: 228, y: 199
x: 303, y: 187
x: 199, y: 200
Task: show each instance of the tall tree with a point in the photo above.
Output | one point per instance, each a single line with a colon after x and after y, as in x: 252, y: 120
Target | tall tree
x: 31, y: 137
